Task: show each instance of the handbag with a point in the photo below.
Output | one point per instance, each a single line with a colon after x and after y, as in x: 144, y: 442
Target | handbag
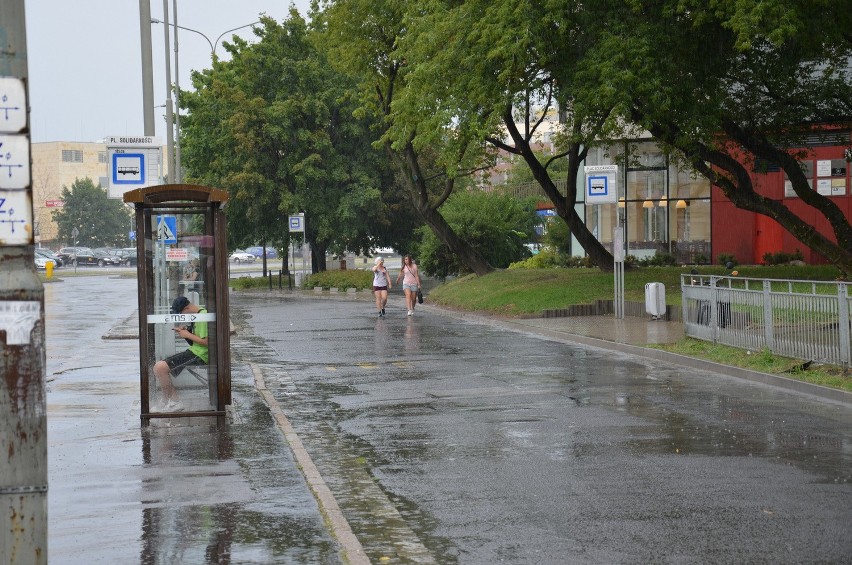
x: 419, y: 296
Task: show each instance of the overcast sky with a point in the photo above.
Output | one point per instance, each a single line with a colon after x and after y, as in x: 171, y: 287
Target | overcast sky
x: 84, y: 59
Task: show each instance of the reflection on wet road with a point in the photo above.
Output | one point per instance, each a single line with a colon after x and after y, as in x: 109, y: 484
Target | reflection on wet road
x: 179, y: 491
x: 448, y: 441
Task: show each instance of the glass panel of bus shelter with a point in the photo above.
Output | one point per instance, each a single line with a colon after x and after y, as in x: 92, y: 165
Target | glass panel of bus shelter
x: 179, y: 245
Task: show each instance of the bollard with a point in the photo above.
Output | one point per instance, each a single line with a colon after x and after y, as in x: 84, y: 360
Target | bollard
x: 48, y: 268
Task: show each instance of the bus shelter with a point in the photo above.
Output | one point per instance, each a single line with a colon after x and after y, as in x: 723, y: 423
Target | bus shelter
x: 184, y: 339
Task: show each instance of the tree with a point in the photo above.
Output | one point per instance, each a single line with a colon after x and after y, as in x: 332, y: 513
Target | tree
x: 504, y: 96
x: 101, y: 221
x: 751, y: 80
x: 496, y: 226
x: 275, y: 128
x: 363, y: 38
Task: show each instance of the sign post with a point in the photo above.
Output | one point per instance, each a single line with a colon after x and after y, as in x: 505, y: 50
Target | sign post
x: 23, y: 403
x: 297, y: 225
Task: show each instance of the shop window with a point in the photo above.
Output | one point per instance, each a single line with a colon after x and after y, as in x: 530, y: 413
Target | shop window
x: 808, y: 170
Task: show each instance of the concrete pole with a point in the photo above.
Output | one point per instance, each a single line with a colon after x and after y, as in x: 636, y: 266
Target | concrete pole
x: 147, y: 67
x: 23, y: 407
x: 178, y: 175
x: 170, y: 140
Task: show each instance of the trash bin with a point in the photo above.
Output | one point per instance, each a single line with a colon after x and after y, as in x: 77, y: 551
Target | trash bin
x: 655, y: 299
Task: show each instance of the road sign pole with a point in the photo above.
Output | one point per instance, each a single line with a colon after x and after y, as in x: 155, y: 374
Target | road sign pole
x: 23, y: 408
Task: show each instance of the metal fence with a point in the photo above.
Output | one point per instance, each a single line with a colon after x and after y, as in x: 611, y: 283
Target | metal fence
x: 801, y: 319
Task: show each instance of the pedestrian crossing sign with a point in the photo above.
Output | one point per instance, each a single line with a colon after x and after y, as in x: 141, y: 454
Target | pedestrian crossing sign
x: 167, y: 229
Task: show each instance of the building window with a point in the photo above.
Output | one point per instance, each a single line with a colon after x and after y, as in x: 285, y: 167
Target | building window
x: 103, y: 182
x: 102, y: 156
x: 72, y: 156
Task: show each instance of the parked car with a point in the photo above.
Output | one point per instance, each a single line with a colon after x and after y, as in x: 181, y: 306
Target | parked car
x: 128, y: 256
x: 106, y: 259
x: 240, y: 256
x: 257, y: 251
x: 48, y: 254
x: 41, y: 262
x: 69, y: 254
x: 82, y: 257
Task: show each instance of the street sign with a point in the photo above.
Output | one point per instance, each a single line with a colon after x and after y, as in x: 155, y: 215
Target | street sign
x: 14, y: 206
x: 601, y: 187
x: 133, y: 162
x: 167, y: 229
x: 297, y: 223
x: 14, y: 161
x: 13, y: 105
x: 54, y: 203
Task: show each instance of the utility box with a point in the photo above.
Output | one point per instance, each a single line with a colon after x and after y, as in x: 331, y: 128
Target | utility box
x: 183, y: 300
x: 655, y: 300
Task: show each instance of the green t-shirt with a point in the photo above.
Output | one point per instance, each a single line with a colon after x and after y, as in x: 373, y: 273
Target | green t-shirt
x: 200, y: 329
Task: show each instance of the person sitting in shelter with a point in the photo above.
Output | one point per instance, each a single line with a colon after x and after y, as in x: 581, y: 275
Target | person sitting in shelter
x: 196, y: 354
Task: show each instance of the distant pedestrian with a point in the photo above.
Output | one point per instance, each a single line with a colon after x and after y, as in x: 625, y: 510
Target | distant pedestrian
x: 381, y: 284
x: 410, y: 276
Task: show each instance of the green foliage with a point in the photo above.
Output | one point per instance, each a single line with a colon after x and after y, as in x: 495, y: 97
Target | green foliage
x: 246, y: 283
x: 350, y: 278
x: 497, y: 226
x: 781, y: 258
x: 547, y: 259
x: 657, y: 260
x: 725, y: 258
x: 275, y: 127
x: 101, y: 221
x: 557, y: 236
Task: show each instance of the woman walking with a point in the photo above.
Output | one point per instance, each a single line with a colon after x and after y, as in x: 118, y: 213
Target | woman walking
x: 381, y: 284
x: 410, y: 276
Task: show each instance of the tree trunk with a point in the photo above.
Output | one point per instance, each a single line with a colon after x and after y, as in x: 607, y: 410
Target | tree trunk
x: 564, y: 204
x: 409, y: 167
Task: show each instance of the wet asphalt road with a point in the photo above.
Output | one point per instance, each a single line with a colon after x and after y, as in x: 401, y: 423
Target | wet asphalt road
x: 179, y: 491
x: 447, y: 441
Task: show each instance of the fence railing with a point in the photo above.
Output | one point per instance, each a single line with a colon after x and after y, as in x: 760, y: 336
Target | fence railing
x: 801, y: 319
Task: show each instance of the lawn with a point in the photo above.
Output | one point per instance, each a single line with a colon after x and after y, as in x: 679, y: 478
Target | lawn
x: 518, y: 292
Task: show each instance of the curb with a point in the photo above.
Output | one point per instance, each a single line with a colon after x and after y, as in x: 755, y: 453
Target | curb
x: 352, y: 550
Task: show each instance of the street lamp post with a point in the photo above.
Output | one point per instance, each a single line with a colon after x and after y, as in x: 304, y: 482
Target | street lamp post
x: 176, y: 175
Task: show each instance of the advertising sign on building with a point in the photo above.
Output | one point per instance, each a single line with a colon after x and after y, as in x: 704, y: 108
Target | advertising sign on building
x: 133, y: 162
x: 601, y: 186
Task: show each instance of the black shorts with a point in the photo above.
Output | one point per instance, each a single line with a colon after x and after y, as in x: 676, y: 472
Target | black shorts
x: 378, y: 288
x: 185, y: 358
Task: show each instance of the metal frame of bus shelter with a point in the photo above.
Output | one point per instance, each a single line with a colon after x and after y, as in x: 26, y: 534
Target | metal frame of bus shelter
x: 189, y: 198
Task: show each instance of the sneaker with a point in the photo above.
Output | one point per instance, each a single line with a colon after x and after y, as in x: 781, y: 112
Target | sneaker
x: 410, y: 312
x: 380, y: 315
x: 174, y: 406
x: 383, y: 311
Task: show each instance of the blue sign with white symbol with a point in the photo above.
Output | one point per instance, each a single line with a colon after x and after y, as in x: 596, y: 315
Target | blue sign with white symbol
x: 128, y: 168
x: 297, y: 223
x: 167, y: 229
x: 601, y: 187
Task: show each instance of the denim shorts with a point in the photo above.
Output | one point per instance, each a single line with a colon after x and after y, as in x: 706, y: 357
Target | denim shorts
x: 411, y: 287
